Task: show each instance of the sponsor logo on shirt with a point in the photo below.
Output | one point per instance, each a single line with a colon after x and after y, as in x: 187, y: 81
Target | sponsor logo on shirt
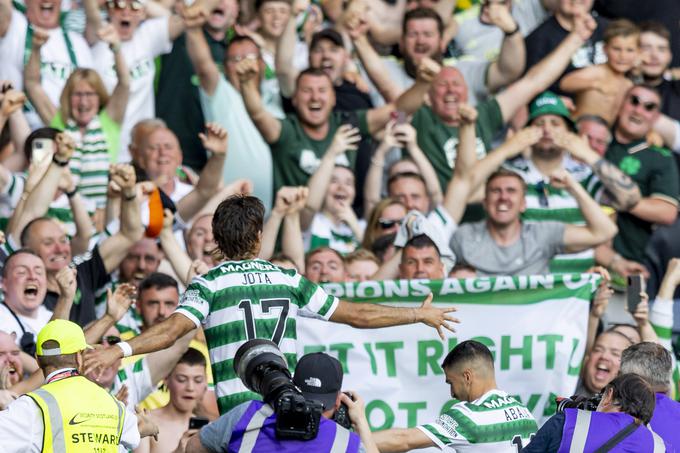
x: 449, y: 425
x: 309, y: 163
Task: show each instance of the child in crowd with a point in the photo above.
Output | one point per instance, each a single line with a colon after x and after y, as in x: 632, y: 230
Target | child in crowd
x: 600, y: 89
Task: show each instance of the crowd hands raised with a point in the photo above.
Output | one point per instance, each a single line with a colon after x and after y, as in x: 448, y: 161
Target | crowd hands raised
x: 386, y: 140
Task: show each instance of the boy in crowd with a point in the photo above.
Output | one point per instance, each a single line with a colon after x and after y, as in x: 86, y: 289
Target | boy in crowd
x: 600, y: 89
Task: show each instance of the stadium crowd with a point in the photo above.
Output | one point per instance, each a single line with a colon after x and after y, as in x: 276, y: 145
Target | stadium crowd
x: 384, y: 139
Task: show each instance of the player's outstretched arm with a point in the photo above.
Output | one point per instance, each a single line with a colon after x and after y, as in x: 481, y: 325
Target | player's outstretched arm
x: 401, y: 439
x: 158, y: 337
x: 371, y: 316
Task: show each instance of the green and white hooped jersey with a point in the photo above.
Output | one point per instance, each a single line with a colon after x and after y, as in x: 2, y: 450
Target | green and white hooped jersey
x: 237, y: 301
x: 324, y: 233
x: 493, y: 423
x: 546, y: 203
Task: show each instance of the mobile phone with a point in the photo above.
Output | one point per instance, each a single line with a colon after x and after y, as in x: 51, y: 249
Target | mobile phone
x: 198, y: 422
x: 41, y: 149
x: 636, y: 285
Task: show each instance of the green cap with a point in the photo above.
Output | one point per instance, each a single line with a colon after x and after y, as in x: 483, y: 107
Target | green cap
x: 67, y: 334
x: 548, y: 103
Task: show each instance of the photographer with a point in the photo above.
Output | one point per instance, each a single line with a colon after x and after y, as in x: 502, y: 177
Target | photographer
x: 252, y: 426
x: 620, y: 421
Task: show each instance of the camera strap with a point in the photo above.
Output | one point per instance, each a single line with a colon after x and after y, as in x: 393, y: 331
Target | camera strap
x: 618, y: 438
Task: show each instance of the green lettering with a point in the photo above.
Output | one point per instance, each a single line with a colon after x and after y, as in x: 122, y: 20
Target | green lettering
x: 507, y: 351
x: 550, y: 346
x: 574, y: 370
x: 430, y: 359
x: 550, y: 406
x: 387, y: 411
x: 412, y: 411
x: 371, y: 356
x: 341, y: 349
x: 453, y: 342
x: 390, y: 361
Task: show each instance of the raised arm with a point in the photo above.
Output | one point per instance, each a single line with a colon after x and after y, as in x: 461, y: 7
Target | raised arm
x: 346, y: 139
x: 178, y: 258
x: 661, y: 315
x: 656, y: 210
x: 117, y: 304
x: 215, y: 141
x: 292, y: 244
x: 66, y: 279
x: 114, y: 248
x: 580, y: 80
x: 621, y: 190
x: 513, y: 55
x: 199, y: 53
x: 371, y: 316
x: 374, y: 176
x: 357, y: 28
x: 285, y: 54
x: 459, y: 188
x: 156, y: 338
x: 270, y: 231
x: 599, y: 227
x: 161, y: 362
x: 36, y: 200
x: 84, y: 228
x: 93, y: 21
x: 406, y: 135
x: 11, y: 113
x: 546, y: 71
x: 119, y: 97
x: 266, y: 123
x: 5, y: 16
x: 409, y: 101
x: 36, y: 93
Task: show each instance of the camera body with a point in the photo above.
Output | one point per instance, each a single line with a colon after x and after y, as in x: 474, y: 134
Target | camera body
x: 263, y: 369
x: 578, y: 402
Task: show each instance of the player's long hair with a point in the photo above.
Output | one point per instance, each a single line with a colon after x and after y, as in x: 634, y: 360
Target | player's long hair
x: 237, y: 227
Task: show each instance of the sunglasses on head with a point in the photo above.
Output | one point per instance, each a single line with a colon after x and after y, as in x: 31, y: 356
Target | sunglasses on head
x: 649, y: 106
x: 110, y: 340
x: 543, y: 194
x: 388, y: 223
x: 122, y: 4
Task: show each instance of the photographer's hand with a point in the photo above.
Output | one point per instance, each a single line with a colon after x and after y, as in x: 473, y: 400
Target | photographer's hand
x: 357, y: 415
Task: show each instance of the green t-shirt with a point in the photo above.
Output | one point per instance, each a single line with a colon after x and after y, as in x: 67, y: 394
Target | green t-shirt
x: 439, y: 142
x: 654, y: 171
x: 297, y: 156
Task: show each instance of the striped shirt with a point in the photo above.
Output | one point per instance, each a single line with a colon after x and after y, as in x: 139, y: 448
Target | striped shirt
x: 137, y: 379
x: 545, y: 202
x: 237, y: 301
x: 324, y: 233
x: 493, y: 423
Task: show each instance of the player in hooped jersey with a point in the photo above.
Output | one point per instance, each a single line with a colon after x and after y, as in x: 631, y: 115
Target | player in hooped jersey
x: 482, y: 420
x: 245, y: 297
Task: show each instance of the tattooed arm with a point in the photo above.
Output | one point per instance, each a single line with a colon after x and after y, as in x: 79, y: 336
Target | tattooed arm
x: 620, y: 191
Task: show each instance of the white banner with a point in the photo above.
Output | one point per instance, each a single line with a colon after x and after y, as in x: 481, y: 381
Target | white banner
x: 535, y: 327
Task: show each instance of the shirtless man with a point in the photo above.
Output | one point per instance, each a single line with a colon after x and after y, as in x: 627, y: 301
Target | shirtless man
x: 187, y: 384
x: 600, y: 89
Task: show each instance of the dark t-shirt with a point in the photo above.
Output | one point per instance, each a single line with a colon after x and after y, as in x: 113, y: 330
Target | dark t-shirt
x: 653, y: 170
x: 549, y: 437
x: 550, y: 34
x: 670, y: 98
x: 177, y: 99
x: 91, y: 276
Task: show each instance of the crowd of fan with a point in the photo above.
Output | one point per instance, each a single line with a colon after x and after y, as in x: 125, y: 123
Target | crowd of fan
x: 386, y: 138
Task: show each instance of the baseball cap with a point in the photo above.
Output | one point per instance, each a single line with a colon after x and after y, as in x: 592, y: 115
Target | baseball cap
x: 319, y: 376
x: 327, y: 33
x: 548, y: 103
x: 68, y: 334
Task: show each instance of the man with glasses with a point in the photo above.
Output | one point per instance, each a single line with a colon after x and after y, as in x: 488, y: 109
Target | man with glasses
x: 141, y: 42
x: 653, y: 170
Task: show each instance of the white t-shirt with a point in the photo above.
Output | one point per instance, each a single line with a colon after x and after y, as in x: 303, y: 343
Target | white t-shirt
x: 9, y: 324
x: 150, y: 40
x: 56, y: 59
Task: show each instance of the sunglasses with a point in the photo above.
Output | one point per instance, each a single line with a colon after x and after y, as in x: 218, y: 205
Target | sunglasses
x: 386, y: 224
x: 648, y: 106
x: 110, y: 340
x: 122, y: 4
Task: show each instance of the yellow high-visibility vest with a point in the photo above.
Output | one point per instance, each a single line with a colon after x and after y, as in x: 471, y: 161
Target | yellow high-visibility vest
x: 79, y: 416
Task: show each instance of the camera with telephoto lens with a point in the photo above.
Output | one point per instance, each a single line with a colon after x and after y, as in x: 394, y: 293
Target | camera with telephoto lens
x: 263, y: 369
x: 578, y: 402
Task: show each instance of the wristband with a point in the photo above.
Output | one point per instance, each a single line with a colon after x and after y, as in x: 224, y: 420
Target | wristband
x: 59, y: 162
x: 71, y: 193
x: 125, y: 347
x: 130, y: 197
x: 510, y: 33
x: 115, y: 48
